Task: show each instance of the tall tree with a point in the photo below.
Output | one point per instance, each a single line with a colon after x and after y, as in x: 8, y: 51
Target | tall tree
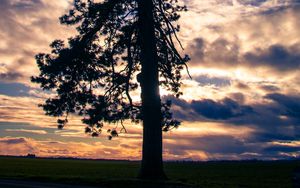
x: 120, y: 45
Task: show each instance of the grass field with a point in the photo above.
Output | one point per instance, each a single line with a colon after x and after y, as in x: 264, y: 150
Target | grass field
x: 121, y: 173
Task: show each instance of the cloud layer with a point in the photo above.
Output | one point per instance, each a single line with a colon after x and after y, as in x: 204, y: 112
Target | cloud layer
x: 242, y: 103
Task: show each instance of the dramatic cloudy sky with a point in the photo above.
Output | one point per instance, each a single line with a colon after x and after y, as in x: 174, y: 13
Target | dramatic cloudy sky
x: 243, y: 101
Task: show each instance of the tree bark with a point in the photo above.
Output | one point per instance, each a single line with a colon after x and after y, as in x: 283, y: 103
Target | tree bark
x: 152, y: 162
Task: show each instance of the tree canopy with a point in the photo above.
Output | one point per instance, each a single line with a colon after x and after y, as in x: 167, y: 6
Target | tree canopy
x: 96, y: 72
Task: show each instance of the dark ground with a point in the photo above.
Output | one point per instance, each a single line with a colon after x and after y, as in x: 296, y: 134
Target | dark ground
x: 22, y: 172
x: 35, y: 184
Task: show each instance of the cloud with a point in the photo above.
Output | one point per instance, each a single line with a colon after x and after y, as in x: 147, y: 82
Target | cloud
x: 14, y: 89
x: 281, y: 149
x: 218, y: 147
x: 26, y: 28
x: 276, y: 56
x: 9, y: 74
x: 224, y: 53
x: 27, y: 131
x: 207, y: 108
x: 13, y: 140
x: 291, y: 104
x: 211, y: 144
x: 252, y: 2
x: 23, y: 146
x: 212, y: 80
x: 217, y: 53
x: 277, y: 112
x: 270, y: 88
x: 238, y: 97
x: 16, y: 146
x: 243, y: 54
x: 224, y: 109
x: 275, y: 118
x: 23, y: 109
x: 271, y: 48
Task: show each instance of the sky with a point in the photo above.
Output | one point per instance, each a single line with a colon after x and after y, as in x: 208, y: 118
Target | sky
x: 242, y: 103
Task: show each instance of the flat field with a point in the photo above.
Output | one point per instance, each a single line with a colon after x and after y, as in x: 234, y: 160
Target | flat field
x: 273, y: 174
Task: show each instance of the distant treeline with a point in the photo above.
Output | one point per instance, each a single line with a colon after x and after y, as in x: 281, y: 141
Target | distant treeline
x: 167, y: 161
x: 62, y: 158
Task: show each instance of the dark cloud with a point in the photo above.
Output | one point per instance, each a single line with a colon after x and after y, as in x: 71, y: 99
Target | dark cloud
x: 282, y: 112
x: 280, y: 149
x: 225, y: 53
x: 223, y: 50
x: 229, y: 147
x: 275, y: 121
x: 238, y: 97
x: 212, y: 80
x: 290, y: 5
x: 290, y: 104
x: 10, y: 76
x: 13, y: 141
x: 270, y: 121
x: 219, y: 52
x: 242, y: 86
x: 220, y: 110
x: 265, y: 135
x: 27, y: 4
x: 276, y: 56
x: 14, y: 89
x: 252, y: 2
x: 213, y: 144
x: 197, y: 48
x: 270, y: 88
x: 221, y: 144
x: 182, y: 109
x: 11, y: 73
x: 208, y: 109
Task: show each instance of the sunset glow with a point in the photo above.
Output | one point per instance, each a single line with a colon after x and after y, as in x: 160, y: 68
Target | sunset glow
x: 243, y: 101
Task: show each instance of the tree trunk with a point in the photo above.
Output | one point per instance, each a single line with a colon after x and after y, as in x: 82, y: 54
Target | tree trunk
x: 152, y: 163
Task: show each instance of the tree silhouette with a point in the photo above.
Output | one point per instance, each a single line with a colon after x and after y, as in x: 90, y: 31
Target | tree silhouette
x: 120, y: 45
